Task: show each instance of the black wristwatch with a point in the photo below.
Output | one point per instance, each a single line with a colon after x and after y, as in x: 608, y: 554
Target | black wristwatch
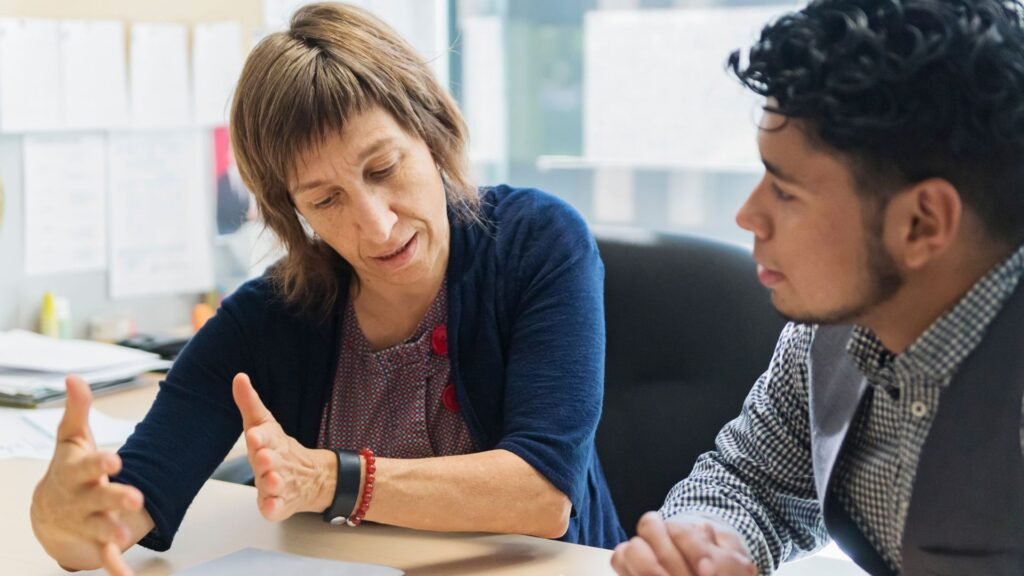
x: 346, y: 489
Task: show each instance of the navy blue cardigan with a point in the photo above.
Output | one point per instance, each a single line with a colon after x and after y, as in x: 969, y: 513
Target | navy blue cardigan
x: 526, y: 341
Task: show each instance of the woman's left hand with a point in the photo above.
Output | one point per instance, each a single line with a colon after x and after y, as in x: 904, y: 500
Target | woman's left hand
x: 290, y: 478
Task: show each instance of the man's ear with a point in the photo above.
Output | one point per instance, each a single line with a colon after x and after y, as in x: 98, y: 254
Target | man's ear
x: 922, y: 221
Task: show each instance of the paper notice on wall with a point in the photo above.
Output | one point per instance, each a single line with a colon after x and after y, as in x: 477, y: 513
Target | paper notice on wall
x: 94, y: 75
x: 216, y: 64
x: 159, y: 76
x: 657, y: 92
x: 30, y: 94
x: 65, y: 203
x: 160, y: 238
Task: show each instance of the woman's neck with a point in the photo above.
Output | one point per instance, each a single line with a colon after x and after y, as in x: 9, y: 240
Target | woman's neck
x: 389, y: 315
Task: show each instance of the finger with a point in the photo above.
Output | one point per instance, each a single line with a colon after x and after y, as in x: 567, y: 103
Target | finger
x: 264, y: 460
x: 248, y: 401
x: 91, y: 468
x: 113, y: 562
x: 619, y: 560
x: 641, y: 559
x: 258, y: 438
x: 271, y: 507
x: 653, y: 530
x: 113, y: 498
x: 102, y: 527
x: 691, y: 540
x: 75, y: 423
x: 271, y: 483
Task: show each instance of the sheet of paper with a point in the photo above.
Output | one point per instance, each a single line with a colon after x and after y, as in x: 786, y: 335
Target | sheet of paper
x: 19, y: 439
x: 65, y: 203
x: 30, y: 93
x: 93, y: 74
x: 32, y: 433
x: 106, y: 431
x: 160, y: 236
x: 24, y: 350
x: 159, y: 76
x: 255, y: 562
x: 216, y: 64
x: 657, y: 92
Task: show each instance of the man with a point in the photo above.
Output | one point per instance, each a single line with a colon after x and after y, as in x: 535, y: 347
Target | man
x: 889, y: 227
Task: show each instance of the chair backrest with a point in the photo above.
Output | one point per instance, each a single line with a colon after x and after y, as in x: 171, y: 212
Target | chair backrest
x: 689, y: 331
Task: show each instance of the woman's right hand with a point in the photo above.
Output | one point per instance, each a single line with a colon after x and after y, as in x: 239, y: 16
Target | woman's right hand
x: 82, y: 519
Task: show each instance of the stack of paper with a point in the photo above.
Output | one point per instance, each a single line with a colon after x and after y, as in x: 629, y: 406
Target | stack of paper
x: 33, y: 367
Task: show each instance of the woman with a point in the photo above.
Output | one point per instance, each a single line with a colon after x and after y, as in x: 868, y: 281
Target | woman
x: 457, y: 334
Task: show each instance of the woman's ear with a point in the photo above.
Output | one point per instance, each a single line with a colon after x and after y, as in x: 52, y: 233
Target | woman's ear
x: 922, y: 222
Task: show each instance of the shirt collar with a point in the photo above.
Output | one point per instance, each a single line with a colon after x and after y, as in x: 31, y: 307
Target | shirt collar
x: 938, y: 352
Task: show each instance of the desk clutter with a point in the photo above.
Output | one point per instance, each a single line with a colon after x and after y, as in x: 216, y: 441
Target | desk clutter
x: 33, y: 367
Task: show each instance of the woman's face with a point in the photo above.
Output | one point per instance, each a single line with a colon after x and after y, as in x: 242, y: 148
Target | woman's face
x: 374, y: 194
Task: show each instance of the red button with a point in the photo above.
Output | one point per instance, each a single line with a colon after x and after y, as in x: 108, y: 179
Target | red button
x: 439, y: 340
x: 448, y: 398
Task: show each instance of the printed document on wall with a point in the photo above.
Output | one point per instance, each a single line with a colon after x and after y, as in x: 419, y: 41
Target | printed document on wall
x: 65, y: 203
x: 160, y: 216
x: 29, y: 75
x: 657, y: 91
x: 216, y: 64
x: 159, y: 76
x: 93, y: 74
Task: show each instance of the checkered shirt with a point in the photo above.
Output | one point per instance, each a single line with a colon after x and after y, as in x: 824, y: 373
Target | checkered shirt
x: 760, y: 480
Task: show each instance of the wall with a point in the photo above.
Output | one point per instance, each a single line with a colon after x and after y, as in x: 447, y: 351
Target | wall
x: 20, y: 296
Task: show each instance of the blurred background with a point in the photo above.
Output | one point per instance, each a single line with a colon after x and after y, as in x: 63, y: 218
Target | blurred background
x: 119, y: 190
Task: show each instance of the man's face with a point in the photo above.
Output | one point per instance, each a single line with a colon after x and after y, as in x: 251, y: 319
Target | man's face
x: 817, y: 243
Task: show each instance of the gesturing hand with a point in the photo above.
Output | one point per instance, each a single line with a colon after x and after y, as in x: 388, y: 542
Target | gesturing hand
x: 78, y: 515
x: 290, y: 478
x: 668, y: 548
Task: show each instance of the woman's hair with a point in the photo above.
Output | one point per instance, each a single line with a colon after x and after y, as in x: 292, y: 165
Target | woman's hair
x: 299, y: 87
x: 907, y: 90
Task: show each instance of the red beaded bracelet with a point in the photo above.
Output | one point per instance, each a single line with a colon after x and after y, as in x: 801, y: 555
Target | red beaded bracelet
x: 371, y: 468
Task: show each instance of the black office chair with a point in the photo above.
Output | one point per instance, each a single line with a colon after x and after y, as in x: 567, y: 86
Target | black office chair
x: 689, y: 331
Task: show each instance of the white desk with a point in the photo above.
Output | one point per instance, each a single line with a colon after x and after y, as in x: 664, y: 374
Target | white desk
x: 224, y: 519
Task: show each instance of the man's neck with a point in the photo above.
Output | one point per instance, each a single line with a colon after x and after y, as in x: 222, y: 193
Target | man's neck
x: 928, y: 294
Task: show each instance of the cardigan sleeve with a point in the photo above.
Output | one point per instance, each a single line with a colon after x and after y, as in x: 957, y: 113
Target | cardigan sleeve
x: 555, y: 359
x: 192, y: 424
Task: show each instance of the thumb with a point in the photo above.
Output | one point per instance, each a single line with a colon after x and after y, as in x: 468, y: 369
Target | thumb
x: 75, y: 423
x: 248, y: 401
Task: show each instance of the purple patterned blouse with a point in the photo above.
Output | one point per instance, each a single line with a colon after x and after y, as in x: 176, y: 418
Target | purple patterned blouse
x: 397, y: 401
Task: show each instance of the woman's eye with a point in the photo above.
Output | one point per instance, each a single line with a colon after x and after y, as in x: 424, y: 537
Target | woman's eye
x: 781, y: 194
x: 324, y: 203
x: 383, y: 172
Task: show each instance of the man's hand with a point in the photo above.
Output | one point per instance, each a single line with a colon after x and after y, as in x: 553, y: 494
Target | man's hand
x: 675, y: 548
x: 290, y: 478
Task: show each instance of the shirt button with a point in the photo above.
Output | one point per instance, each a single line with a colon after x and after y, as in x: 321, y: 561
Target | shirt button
x: 903, y: 507
x: 919, y: 409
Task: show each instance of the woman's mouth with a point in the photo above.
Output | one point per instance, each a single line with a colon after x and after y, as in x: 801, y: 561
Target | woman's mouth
x: 401, y: 256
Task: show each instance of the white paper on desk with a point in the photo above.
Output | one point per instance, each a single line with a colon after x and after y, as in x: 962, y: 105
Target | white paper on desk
x: 106, y: 431
x: 216, y: 65
x: 657, y: 92
x: 160, y: 214
x: 255, y: 562
x: 32, y: 433
x: 93, y: 74
x: 19, y: 439
x: 65, y: 203
x: 159, y: 76
x: 23, y: 350
x: 29, y: 75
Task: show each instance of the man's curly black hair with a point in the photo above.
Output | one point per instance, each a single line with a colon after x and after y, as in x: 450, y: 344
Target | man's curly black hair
x: 907, y: 90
